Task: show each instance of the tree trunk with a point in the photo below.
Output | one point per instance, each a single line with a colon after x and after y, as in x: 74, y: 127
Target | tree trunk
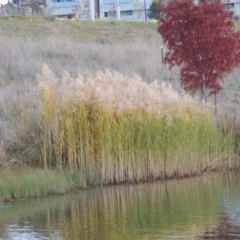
x: 203, y: 90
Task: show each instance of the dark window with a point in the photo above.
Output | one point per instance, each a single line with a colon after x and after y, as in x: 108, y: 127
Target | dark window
x: 230, y: 6
x: 105, y: 14
x: 106, y: 2
x: 126, y: 13
x: 129, y: 13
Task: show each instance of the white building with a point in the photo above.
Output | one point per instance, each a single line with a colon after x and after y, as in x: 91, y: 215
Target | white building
x: 104, y: 9
x: 64, y: 8
x: 107, y: 9
x: 233, y: 5
x: 129, y: 9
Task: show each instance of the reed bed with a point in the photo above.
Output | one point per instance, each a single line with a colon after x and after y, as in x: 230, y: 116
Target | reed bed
x: 119, y: 129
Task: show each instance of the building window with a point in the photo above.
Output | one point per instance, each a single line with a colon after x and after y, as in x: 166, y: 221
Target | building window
x: 107, y: 2
x: 105, y: 14
x: 230, y: 6
x: 129, y: 13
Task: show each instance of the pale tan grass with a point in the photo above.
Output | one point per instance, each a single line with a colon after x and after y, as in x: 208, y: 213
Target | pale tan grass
x: 22, y: 59
x: 117, y: 93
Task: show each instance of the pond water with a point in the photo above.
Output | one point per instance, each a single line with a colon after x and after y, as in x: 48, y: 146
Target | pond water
x: 206, y: 207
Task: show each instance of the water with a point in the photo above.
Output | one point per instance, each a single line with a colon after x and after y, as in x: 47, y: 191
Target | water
x: 198, y: 208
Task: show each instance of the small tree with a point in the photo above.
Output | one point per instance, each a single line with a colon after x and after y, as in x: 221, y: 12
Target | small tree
x: 201, y: 40
x: 154, y: 9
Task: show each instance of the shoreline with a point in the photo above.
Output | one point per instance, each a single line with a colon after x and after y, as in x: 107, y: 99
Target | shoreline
x: 19, y: 191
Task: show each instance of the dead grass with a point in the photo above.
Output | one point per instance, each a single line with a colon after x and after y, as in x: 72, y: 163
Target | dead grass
x: 83, y: 30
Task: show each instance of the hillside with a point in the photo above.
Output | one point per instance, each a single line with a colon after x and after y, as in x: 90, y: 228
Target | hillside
x: 35, y: 28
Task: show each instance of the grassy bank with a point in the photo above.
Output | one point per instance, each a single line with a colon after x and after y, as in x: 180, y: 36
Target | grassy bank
x: 24, y: 182
x: 111, y: 127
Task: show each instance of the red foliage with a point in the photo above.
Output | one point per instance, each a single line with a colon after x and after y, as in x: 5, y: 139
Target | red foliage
x: 201, y: 40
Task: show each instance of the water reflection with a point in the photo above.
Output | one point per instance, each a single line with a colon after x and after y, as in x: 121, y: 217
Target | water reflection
x: 228, y: 226
x: 200, y: 208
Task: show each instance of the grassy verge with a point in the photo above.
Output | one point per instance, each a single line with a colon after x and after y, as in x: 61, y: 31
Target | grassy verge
x: 24, y: 182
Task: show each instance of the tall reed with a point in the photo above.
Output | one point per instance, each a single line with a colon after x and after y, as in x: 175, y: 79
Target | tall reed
x: 116, y: 128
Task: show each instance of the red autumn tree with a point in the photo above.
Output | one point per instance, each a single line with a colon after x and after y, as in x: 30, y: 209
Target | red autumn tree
x: 201, y: 40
